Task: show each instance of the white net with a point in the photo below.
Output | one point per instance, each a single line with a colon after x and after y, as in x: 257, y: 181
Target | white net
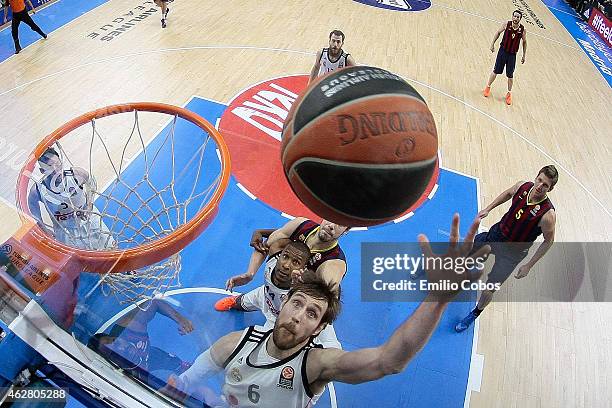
x: 154, y: 185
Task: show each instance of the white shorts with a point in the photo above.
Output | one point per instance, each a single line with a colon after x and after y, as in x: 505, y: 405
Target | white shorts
x: 255, y: 300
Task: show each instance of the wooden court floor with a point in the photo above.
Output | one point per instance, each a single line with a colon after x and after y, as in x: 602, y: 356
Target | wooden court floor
x: 535, y: 354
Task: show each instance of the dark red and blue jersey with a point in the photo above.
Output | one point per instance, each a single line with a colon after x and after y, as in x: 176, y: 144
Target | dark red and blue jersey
x: 512, y: 38
x: 318, y: 256
x: 520, y: 223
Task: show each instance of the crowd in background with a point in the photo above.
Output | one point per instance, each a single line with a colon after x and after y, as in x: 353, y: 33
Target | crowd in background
x: 605, y: 6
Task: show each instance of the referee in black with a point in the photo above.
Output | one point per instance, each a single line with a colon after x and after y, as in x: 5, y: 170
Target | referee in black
x: 20, y: 13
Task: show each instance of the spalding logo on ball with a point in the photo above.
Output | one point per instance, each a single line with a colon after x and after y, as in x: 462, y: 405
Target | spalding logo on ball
x: 359, y: 146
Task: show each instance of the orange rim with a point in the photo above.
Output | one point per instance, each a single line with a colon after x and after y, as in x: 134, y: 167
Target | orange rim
x: 143, y: 255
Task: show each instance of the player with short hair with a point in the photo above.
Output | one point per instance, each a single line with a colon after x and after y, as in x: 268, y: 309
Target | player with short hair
x: 530, y: 215
x: 327, y: 258
x: 514, y: 32
x: 67, y: 196
x: 283, y: 368
x: 331, y: 58
x: 283, y: 268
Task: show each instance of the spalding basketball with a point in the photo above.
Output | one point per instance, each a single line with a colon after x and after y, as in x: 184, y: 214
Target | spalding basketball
x: 359, y: 146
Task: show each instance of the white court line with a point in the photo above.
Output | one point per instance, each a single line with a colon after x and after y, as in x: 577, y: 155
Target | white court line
x: 531, y: 32
x: 538, y: 148
x: 404, y: 217
x: 433, y: 191
x: 475, y: 372
x: 247, y: 192
x: 162, y: 50
x: 332, y: 390
x: 574, y: 14
x: 525, y: 139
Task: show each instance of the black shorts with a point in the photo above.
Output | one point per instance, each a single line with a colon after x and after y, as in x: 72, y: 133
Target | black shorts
x: 507, y: 254
x: 506, y: 59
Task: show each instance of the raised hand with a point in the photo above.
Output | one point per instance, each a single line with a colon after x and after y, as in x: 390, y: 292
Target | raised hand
x: 450, y: 279
x: 238, y: 280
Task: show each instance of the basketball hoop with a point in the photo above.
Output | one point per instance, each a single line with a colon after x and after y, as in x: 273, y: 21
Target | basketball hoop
x: 161, y: 233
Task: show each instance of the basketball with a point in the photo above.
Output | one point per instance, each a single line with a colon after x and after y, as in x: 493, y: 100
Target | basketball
x: 359, y: 146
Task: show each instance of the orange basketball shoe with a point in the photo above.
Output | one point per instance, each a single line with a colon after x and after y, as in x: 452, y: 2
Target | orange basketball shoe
x: 487, y: 92
x: 225, y: 304
x: 508, y: 99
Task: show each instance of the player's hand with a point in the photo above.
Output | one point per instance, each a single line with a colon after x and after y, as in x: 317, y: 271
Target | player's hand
x: 523, y: 60
x: 184, y: 326
x: 296, y: 276
x: 174, y: 388
x: 238, y: 280
x: 257, y: 242
x: 522, y: 271
x: 455, y: 250
x: 493, y: 48
x: 482, y: 214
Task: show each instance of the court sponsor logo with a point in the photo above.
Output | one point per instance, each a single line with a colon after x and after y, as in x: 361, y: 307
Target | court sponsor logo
x: 12, y: 155
x: 602, y: 26
x: 529, y: 16
x: 252, y: 126
x: 398, y: 5
x: 124, y: 22
x: 596, y: 49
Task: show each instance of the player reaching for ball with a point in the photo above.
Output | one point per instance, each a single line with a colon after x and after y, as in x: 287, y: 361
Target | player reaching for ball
x: 327, y: 258
x: 283, y: 368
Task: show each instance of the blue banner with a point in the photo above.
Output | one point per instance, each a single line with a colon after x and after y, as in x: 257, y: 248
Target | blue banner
x: 597, y: 50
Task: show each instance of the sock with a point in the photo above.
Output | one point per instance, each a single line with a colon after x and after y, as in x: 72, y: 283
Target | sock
x: 238, y: 305
x: 476, y: 311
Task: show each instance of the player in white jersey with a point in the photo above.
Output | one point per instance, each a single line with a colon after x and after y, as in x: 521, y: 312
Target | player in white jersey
x: 281, y: 368
x: 67, y: 197
x: 332, y: 58
x: 281, y: 269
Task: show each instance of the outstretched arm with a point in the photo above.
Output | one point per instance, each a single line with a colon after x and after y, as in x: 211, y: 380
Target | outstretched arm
x: 315, y: 68
x: 332, y: 272
x: 258, y: 257
x: 393, y: 356
x: 209, y: 363
x: 502, y: 198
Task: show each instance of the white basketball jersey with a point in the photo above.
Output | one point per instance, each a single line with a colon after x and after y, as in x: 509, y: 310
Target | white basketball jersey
x: 75, y: 221
x: 327, y: 65
x: 254, y: 379
x: 64, y: 201
x: 273, y: 295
